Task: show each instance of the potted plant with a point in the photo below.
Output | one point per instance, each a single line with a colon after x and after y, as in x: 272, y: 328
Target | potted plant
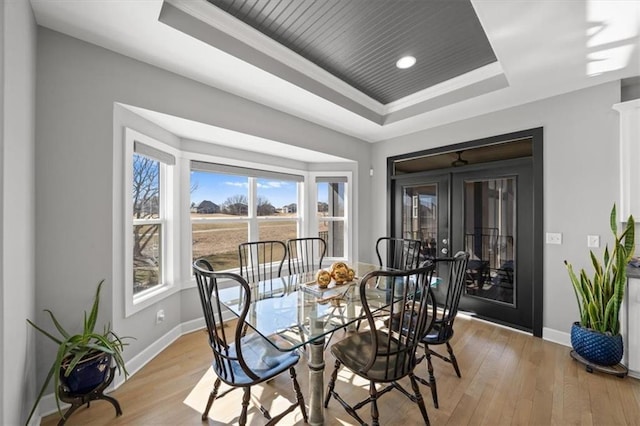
x: 83, y: 360
x: 596, y: 337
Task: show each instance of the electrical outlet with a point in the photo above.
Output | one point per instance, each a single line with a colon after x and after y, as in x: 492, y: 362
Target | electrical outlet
x: 593, y: 240
x: 554, y: 238
x: 160, y: 316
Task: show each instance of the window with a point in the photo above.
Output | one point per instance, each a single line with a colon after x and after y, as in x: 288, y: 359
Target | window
x: 331, y: 214
x: 180, y: 205
x: 148, y: 224
x: 150, y: 250
x: 231, y: 205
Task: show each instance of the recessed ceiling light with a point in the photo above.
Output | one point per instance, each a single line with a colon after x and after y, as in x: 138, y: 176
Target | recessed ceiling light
x: 406, y: 62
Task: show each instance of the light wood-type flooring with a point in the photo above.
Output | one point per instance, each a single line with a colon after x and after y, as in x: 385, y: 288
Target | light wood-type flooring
x: 507, y: 378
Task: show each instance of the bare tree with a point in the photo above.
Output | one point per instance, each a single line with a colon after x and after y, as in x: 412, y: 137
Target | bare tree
x: 265, y: 208
x: 236, y: 205
x: 146, y: 180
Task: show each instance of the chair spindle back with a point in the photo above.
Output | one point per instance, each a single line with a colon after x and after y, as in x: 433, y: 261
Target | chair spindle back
x: 410, y: 316
x: 400, y: 253
x: 306, y: 254
x: 207, y: 281
x: 261, y: 260
x: 454, y: 271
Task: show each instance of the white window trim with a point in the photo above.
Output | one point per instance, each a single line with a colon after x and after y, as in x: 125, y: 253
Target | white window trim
x: 251, y: 219
x: 312, y: 206
x: 169, y: 179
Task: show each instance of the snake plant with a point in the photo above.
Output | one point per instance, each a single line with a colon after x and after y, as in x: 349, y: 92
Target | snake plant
x: 600, y: 295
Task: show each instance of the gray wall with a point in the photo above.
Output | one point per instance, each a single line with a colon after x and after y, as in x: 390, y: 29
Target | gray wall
x: 79, y: 226
x: 581, y: 177
x: 17, y: 285
x: 630, y: 89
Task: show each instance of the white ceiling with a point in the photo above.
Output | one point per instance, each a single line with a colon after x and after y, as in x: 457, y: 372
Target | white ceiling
x: 544, y: 48
x: 193, y: 130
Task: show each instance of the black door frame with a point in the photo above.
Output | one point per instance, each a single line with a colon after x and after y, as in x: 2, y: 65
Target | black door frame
x: 536, y: 136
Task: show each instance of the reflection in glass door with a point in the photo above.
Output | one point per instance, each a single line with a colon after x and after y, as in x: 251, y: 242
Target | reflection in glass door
x: 489, y: 233
x: 420, y: 216
x: 424, y: 213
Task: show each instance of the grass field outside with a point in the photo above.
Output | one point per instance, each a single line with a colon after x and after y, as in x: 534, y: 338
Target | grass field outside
x: 218, y: 241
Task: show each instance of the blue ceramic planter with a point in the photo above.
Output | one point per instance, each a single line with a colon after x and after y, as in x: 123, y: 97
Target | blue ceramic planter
x: 597, y: 347
x: 88, y: 374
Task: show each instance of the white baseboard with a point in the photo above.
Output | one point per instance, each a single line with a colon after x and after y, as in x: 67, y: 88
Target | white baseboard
x: 47, y: 404
x: 555, y: 336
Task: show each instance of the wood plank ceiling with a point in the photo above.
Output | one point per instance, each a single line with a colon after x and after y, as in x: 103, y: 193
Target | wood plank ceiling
x: 359, y: 41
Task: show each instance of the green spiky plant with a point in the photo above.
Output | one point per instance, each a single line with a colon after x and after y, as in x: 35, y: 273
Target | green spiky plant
x: 73, y: 348
x: 599, y: 296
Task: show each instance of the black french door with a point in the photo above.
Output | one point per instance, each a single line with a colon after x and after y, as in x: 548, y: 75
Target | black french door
x: 487, y: 211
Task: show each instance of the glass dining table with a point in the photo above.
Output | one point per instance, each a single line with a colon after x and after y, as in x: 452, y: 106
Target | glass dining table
x: 292, y: 312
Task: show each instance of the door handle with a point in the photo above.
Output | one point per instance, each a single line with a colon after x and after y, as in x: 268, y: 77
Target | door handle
x: 445, y: 250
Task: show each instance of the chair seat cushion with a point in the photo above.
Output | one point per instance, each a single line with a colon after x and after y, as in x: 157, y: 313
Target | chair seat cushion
x: 261, y: 357
x: 355, y: 351
x: 438, y: 335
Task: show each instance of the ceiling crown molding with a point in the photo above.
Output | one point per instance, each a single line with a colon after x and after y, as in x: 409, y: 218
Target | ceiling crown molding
x: 468, y: 79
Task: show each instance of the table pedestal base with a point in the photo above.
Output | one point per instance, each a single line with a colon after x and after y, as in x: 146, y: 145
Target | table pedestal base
x: 316, y: 382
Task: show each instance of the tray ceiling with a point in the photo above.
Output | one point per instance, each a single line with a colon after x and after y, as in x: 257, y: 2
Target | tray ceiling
x: 359, y: 41
x: 543, y: 49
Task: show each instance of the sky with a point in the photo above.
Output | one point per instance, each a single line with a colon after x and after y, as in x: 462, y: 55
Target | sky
x: 219, y: 187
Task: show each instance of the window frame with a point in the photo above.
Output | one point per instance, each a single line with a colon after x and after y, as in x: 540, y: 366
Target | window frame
x: 252, y: 219
x: 168, y: 219
x: 314, y: 220
x: 177, y: 247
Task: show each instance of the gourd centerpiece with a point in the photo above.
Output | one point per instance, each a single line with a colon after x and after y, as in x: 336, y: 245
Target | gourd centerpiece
x: 339, y: 272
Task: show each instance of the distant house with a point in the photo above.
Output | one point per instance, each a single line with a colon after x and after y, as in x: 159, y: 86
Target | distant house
x: 290, y: 208
x: 208, y: 207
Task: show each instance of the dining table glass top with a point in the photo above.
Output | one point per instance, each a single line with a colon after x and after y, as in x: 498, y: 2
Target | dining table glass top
x: 292, y: 311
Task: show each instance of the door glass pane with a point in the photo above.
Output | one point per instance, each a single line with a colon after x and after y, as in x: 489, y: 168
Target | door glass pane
x: 490, y: 232
x: 420, y: 216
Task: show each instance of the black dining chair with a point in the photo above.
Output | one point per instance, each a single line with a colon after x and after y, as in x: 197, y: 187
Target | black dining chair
x: 262, y: 260
x: 451, y: 274
x: 240, y: 360
x: 398, y: 253
x: 386, y: 352
x: 306, y: 254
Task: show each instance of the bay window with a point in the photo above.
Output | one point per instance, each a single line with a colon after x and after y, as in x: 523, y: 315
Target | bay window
x: 179, y: 207
x: 231, y: 205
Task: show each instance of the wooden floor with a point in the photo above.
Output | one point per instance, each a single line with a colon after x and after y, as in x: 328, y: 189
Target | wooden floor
x: 507, y: 378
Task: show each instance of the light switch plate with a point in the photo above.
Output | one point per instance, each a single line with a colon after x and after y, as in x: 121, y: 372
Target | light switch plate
x: 554, y: 238
x: 593, y: 241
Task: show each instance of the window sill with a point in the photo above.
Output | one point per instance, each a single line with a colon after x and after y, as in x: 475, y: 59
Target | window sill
x: 138, y: 303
